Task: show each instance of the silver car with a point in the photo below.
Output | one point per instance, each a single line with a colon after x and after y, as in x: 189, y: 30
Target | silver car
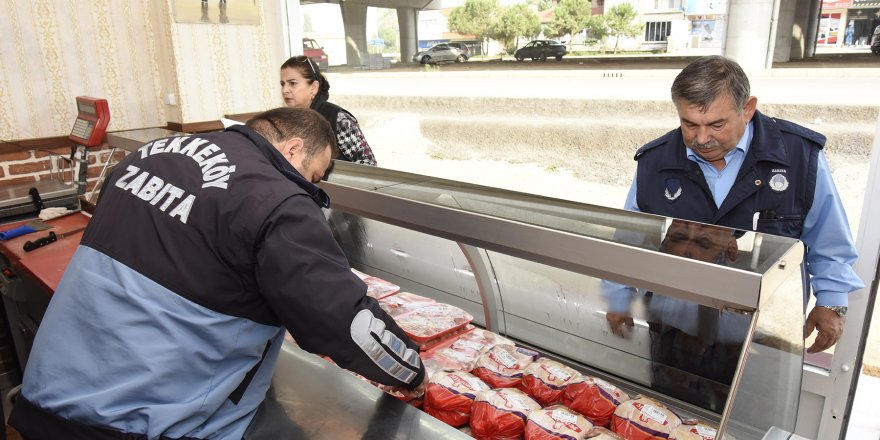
x: 439, y: 53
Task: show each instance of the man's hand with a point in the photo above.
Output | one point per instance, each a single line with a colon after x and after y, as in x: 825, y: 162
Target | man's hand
x: 829, y: 325
x: 621, y: 325
x: 410, y: 394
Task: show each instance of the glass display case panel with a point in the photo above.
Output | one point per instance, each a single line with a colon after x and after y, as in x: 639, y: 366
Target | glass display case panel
x: 418, y: 263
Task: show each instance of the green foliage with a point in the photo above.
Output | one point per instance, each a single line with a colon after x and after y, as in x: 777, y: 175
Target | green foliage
x: 476, y: 17
x: 569, y: 17
x: 619, y: 22
x: 388, y: 30
x: 596, y: 29
x: 514, y: 22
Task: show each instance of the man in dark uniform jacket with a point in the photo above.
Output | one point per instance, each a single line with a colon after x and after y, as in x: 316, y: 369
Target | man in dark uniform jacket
x: 203, y: 249
x: 730, y: 165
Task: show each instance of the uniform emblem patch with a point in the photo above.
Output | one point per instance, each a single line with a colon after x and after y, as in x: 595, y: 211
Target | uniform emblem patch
x: 778, y: 183
x: 673, y: 189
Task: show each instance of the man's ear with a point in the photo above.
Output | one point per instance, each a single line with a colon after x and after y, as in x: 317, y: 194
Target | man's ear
x: 291, y: 147
x: 749, y: 108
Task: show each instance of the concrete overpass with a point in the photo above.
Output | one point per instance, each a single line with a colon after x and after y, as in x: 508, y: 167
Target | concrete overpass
x: 354, y: 18
x: 759, y: 32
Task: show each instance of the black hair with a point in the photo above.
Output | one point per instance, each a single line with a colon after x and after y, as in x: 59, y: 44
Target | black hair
x: 310, y: 71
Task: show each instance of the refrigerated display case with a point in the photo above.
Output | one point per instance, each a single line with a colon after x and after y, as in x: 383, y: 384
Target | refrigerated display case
x: 546, y: 271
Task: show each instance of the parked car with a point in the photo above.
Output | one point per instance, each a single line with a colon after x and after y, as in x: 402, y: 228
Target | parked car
x: 875, y: 41
x: 316, y: 53
x: 439, y: 53
x: 463, y: 48
x: 541, y: 50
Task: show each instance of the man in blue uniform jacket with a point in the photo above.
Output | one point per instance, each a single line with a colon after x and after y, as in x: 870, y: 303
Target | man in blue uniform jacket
x: 730, y: 165
x: 203, y: 249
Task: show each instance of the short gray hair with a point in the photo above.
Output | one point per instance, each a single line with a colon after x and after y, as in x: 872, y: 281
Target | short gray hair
x: 708, y: 78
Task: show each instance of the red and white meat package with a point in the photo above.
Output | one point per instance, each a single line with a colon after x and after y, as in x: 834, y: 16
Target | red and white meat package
x: 501, y: 414
x: 644, y: 419
x: 594, y: 398
x: 545, y: 380
x: 403, y: 302
x: 503, y: 366
x: 479, y: 340
x: 451, y: 394
x: 437, y: 361
x: 600, y: 433
x: 695, y: 431
x: 426, y: 325
x: 376, y: 287
x: 556, y: 423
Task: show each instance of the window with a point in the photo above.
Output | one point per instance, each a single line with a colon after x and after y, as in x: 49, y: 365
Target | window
x: 667, y: 4
x: 657, y: 30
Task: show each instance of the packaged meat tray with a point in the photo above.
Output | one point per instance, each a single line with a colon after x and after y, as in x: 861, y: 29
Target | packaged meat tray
x: 377, y: 287
x: 501, y: 414
x: 594, y: 398
x: 430, y: 324
x: 450, y: 396
x: 545, y: 379
x: 692, y: 430
x: 467, y: 358
x: 436, y: 362
x: 556, y: 422
x: 403, y: 302
x: 644, y: 419
x: 503, y: 366
x: 479, y: 340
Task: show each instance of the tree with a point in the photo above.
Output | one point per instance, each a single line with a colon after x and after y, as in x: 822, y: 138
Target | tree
x: 596, y: 29
x: 514, y: 22
x: 569, y: 17
x: 619, y: 22
x: 475, y: 18
x: 388, y: 30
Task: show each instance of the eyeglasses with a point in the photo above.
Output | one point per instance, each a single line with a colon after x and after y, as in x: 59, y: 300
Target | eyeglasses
x: 311, y: 66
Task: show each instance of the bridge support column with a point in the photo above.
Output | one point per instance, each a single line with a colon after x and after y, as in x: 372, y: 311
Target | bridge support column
x: 784, y: 31
x: 354, y: 19
x: 407, y: 22
x: 748, y: 40
x: 800, y: 29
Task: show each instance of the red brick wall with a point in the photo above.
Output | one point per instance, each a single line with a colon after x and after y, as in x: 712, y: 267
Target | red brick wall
x: 30, y: 165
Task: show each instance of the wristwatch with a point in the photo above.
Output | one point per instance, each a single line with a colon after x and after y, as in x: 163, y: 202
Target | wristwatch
x: 840, y: 310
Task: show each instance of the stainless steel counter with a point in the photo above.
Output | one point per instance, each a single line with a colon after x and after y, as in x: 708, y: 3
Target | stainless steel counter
x: 313, y: 399
x: 131, y: 140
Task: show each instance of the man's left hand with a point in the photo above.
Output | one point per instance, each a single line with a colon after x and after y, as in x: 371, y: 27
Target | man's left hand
x: 830, y: 327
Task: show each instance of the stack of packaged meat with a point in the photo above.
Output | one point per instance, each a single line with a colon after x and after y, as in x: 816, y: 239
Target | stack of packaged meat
x: 450, y: 396
x: 501, y: 414
x: 377, y: 287
x: 557, y: 422
x: 503, y: 366
x: 462, y: 351
x: 594, y: 398
x: 433, y: 323
x: 545, y: 380
x: 403, y: 302
x: 488, y: 387
x: 644, y: 419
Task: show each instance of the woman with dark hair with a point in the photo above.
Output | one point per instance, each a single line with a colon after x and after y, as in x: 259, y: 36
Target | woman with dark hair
x: 303, y: 86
